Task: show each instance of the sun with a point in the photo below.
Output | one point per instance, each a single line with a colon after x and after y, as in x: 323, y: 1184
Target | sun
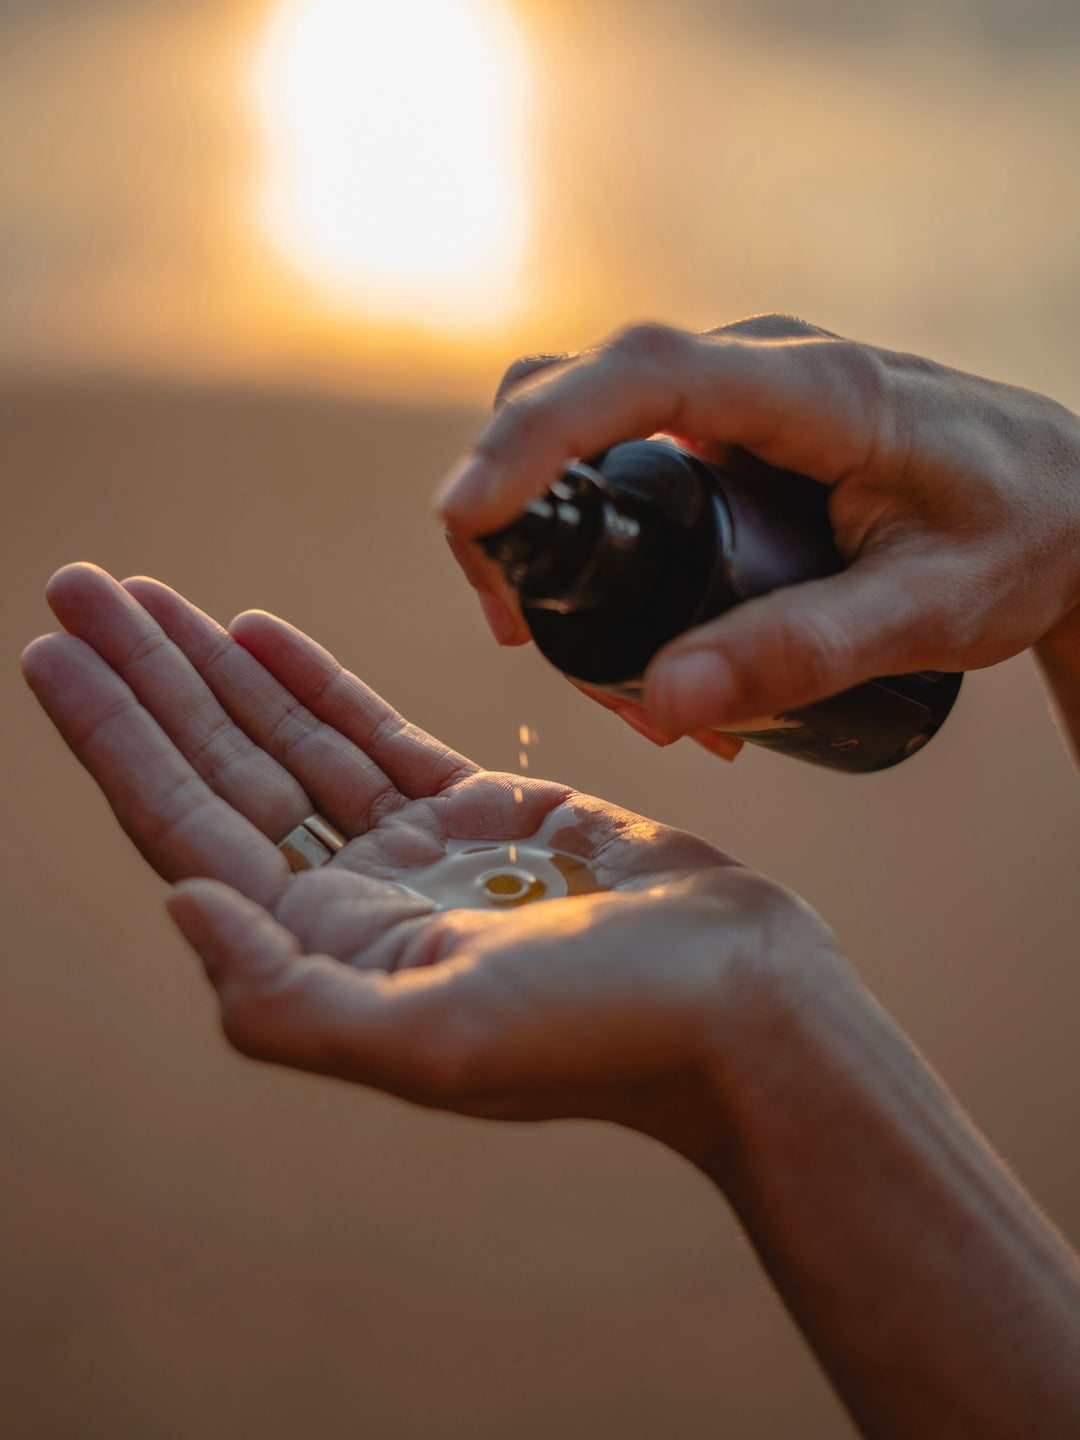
x: 394, y: 163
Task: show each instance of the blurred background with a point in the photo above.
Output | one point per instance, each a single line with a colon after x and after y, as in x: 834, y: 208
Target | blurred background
x: 261, y: 266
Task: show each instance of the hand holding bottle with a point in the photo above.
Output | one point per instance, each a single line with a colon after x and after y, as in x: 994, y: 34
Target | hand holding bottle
x: 955, y: 501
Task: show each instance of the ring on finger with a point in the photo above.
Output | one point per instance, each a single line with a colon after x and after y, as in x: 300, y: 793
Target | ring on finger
x: 311, y: 843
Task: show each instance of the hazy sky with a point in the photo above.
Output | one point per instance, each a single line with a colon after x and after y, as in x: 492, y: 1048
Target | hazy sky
x: 1037, y: 22
x: 901, y: 172
x: 1033, y: 22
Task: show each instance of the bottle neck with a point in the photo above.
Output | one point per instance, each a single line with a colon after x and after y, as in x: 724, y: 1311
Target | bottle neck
x: 621, y: 555
x: 578, y: 545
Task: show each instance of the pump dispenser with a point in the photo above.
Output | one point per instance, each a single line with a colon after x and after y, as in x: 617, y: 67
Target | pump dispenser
x: 637, y: 545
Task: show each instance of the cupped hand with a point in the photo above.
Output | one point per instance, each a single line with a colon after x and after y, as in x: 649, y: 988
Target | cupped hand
x: 955, y: 501
x: 211, y: 745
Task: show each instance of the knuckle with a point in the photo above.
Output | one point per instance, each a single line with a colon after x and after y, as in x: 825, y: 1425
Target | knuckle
x: 332, y: 677
x: 952, y: 615
x: 772, y: 326
x: 182, y: 809
x: 145, y: 646
x: 292, y: 730
x: 651, y: 343
x: 82, y: 743
x: 522, y: 369
x: 813, y: 654
x: 217, y: 748
x: 864, y: 386
x: 859, y: 364
x: 219, y: 649
x: 522, y: 416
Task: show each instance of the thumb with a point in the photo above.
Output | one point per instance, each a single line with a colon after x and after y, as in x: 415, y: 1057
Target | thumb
x: 402, y: 1032
x: 791, y: 647
x: 236, y: 939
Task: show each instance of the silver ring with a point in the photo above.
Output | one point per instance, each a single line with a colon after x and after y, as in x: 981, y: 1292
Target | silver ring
x: 312, y: 843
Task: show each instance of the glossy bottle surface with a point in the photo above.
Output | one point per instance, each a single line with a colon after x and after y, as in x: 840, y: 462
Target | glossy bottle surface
x: 626, y: 552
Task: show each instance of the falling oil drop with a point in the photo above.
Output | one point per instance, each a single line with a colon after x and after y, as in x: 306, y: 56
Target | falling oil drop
x: 485, y: 875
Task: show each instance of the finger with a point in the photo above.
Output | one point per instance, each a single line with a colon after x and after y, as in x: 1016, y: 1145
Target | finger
x: 794, y: 646
x: 523, y: 369
x: 181, y: 826
x: 808, y: 404
x: 760, y: 327
x: 345, y: 784
x: 339, y: 911
x: 639, y: 719
x: 757, y: 327
x: 418, y: 765
x: 725, y: 747
x: 401, y: 1033
x: 498, y: 598
x: 636, y: 716
x: 239, y: 941
x: 92, y: 605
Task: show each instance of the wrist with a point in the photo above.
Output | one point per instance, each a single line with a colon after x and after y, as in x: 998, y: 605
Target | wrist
x: 764, y: 1005
x: 1060, y: 646
x: 931, y: 1289
x: 787, y: 1027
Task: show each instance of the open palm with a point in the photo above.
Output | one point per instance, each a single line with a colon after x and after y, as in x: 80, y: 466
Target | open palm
x: 212, y: 745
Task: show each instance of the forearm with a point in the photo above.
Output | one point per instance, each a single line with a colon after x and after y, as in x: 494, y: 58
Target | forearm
x: 935, y: 1294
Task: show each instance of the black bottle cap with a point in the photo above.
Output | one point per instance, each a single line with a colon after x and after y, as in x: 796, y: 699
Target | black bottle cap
x: 547, y: 550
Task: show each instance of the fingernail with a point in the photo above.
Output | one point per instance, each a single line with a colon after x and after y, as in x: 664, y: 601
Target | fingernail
x: 691, y: 690
x: 637, y: 721
x: 466, y: 487
x: 500, y: 621
x: 725, y: 747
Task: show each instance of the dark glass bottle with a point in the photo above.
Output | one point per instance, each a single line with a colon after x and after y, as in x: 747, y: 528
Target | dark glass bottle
x: 626, y: 552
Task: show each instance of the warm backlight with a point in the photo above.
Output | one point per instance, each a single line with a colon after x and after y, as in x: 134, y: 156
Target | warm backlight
x: 394, y: 153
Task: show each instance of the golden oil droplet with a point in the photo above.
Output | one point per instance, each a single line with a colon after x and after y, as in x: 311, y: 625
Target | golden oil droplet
x: 523, y: 734
x: 513, y: 854
x: 523, y: 759
x: 519, y: 795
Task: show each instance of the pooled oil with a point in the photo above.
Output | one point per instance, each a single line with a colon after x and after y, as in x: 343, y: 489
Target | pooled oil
x: 501, y: 874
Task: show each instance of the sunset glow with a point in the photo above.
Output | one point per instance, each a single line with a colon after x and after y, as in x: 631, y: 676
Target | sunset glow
x: 394, y: 154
